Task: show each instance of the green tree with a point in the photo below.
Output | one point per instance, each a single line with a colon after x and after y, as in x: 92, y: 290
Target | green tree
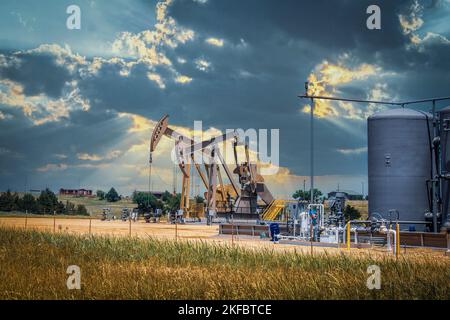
x: 199, y: 199
x: 15, y: 205
x: 351, y: 213
x: 81, y: 210
x: 7, y: 201
x: 166, y: 196
x: 173, y: 203
x: 28, y: 203
x: 143, y: 199
x: 112, y: 195
x: 101, y: 194
x: 70, y: 208
x: 60, y: 208
x: 300, y: 194
x: 47, y: 201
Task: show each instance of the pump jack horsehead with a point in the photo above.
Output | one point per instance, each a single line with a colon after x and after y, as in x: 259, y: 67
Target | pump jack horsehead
x: 222, y: 200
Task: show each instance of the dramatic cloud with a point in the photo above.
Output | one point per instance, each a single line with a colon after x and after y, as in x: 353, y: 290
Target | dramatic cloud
x: 78, y: 107
x: 414, y: 26
x: 215, y: 42
x: 326, y: 80
x: 203, y: 65
x: 412, y: 21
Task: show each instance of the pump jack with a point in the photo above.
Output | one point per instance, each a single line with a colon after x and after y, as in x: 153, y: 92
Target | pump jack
x: 239, y: 202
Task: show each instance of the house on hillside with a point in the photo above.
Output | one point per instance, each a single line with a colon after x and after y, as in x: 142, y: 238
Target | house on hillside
x: 75, y: 192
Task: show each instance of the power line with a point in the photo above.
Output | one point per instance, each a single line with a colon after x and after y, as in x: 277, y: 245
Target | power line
x: 306, y: 96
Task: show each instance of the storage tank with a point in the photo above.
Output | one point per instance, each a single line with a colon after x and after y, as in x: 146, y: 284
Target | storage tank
x: 399, y: 165
x: 444, y: 116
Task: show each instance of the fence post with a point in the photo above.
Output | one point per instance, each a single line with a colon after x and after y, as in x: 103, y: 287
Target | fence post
x: 90, y: 225
x: 26, y: 219
x: 176, y: 226
x: 130, y: 227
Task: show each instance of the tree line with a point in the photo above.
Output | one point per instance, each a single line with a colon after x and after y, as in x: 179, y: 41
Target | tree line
x: 168, y: 201
x: 46, y: 203
x: 110, y: 196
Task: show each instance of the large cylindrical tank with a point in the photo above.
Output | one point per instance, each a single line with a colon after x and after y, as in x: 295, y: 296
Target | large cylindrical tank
x: 444, y: 116
x: 399, y: 165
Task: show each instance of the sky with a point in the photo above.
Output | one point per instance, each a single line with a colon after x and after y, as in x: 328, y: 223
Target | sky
x: 77, y: 107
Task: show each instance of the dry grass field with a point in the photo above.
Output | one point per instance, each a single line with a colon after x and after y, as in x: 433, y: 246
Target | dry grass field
x: 142, y: 230
x: 34, y: 264
x: 180, y: 232
x: 191, y: 261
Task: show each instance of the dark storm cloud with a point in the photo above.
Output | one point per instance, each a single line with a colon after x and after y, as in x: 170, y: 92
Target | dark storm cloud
x: 38, y: 73
x: 32, y: 147
x: 224, y: 99
x: 331, y: 24
x: 271, y: 28
x: 133, y: 94
x: 270, y: 48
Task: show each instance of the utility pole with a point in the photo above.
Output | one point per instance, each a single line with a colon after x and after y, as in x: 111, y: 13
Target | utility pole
x: 312, y: 144
x: 362, y: 184
x: 304, y: 187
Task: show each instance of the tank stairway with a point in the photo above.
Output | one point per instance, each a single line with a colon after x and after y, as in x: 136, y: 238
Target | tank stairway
x: 272, y: 212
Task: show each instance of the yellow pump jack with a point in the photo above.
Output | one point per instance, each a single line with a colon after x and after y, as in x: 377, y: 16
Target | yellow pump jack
x: 252, y: 184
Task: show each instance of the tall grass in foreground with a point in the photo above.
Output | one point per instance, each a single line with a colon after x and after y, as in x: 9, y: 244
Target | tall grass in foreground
x: 33, y: 266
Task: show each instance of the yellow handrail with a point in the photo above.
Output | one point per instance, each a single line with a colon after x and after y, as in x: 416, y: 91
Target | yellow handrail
x: 397, y: 251
x: 274, y: 209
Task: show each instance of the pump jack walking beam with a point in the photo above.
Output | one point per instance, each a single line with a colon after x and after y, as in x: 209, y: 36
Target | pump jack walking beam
x: 252, y: 184
x: 185, y: 148
x: 162, y: 129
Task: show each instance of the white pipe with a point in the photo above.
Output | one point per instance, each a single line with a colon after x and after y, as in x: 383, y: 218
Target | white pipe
x: 390, y: 232
x: 302, y: 220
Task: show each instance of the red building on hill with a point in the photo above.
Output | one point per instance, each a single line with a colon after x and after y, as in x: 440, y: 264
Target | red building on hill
x: 75, y: 192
